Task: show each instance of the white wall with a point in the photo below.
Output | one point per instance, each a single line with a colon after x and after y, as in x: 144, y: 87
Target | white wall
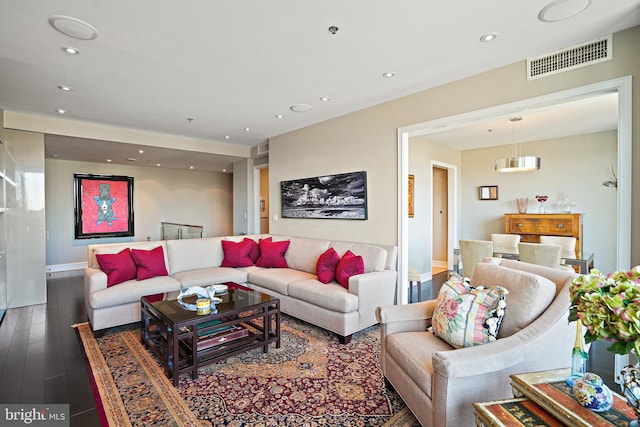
x: 190, y: 197
x: 422, y: 153
x: 25, y: 219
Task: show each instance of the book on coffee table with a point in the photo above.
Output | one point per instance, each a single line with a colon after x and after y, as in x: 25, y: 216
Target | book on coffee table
x: 223, y: 336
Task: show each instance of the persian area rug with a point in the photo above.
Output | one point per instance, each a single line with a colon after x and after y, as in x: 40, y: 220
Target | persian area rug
x: 312, y: 380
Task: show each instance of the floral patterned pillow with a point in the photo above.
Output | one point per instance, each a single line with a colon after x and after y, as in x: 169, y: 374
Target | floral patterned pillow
x: 465, y: 316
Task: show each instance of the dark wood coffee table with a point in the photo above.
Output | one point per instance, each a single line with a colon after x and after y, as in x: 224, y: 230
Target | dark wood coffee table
x: 184, y: 341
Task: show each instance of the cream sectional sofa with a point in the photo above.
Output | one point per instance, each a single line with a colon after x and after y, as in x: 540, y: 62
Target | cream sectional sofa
x: 197, y: 262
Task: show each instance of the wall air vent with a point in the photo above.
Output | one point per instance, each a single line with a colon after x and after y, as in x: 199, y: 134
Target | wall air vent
x: 263, y: 149
x: 588, y: 53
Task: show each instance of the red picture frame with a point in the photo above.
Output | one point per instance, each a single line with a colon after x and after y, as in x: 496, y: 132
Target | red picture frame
x: 103, y: 206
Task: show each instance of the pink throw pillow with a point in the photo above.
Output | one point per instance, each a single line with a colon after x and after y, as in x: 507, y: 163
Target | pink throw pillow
x: 349, y: 265
x: 272, y: 254
x: 150, y: 263
x: 254, y: 254
x: 236, y: 254
x: 119, y: 267
x: 326, y: 265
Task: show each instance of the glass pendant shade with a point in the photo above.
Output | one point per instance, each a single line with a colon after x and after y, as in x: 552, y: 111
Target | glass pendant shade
x: 518, y: 164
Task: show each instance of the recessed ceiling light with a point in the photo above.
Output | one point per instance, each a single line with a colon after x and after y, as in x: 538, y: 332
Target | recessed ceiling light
x: 73, y: 27
x: 247, y: 129
x: 131, y: 159
x: 301, y: 108
x: 325, y: 99
x: 108, y: 160
x: 560, y: 10
x: 157, y: 164
x: 191, y: 167
x: 55, y: 155
x: 61, y: 111
x: 388, y: 74
x: 279, y: 116
x: 70, y: 50
x: 65, y: 88
x: 227, y: 137
x: 488, y: 37
x: 140, y: 151
x: 224, y: 170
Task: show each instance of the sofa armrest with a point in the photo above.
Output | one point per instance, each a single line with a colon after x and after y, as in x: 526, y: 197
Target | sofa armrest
x: 94, y: 280
x: 405, y: 318
x: 373, y: 289
x: 479, y: 360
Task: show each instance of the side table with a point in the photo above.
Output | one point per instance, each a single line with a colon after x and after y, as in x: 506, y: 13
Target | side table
x: 549, y: 390
x: 544, y: 399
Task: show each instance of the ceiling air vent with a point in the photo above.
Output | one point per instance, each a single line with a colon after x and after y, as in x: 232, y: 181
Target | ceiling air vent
x: 263, y: 149
x: 573, y: 57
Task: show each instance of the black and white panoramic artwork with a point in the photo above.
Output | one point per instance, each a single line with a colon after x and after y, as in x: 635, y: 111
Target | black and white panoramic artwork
x: 341, y: 196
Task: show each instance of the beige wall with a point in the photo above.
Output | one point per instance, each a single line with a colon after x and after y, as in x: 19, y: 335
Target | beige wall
x: 577, y: 164
x: 367, y: 140
x: 189, y: 197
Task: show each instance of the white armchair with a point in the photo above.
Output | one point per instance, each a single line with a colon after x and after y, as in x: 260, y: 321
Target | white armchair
x: 439, y: 383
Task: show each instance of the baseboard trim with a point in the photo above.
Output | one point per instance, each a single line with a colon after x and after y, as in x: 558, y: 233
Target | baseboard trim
x: 66, y: 267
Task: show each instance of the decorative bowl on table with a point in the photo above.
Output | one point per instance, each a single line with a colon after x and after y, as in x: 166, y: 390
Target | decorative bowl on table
x: 220, y: 289
x: 591, y: 392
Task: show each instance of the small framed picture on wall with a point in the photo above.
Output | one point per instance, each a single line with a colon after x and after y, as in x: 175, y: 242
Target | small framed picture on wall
x: 489, y: 192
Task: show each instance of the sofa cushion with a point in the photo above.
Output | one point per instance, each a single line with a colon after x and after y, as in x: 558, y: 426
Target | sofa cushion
x: 211, y: 276
x: 303, y: 253
x: 326, y: 265
x: 349, y: 265
x: 278, y: 279
x: 414, y: 352
x: 272, y: 254
x: 331, y: 296
x: 529, y: 294
x: 236, y: 254
x: 374, y: 257
x: 194, y: 254
x: 254, y: 252
x: 114, y: 248
x: 131, y: 291
x: 119, y: 267
x: 465, y: 316
x: 149, y: 263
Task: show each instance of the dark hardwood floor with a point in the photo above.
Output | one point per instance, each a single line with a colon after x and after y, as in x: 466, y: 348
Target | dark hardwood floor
x: 41, y: 356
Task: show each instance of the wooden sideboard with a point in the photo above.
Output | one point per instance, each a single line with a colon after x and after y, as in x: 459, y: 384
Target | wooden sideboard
x: 532, y: 226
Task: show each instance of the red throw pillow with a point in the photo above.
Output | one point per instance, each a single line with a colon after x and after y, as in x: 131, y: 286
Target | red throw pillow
x: 349, y: 265
x: 272, y: 254
x: 326, y: 265
x: 118, y: 267
x: 236, y: 254
x: 254, y: 254
x: 150, y: 263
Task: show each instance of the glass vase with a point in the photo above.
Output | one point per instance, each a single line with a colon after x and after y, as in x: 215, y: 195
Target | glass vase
x: 578, y: 357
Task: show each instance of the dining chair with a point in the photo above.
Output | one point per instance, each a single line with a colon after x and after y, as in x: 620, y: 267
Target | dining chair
x: 568, y: 247
x: 505, y: 243
x: 537, y: 253
x: 472, y: 252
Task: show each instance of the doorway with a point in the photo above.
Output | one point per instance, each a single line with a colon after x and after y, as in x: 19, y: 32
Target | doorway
x: 440, y: 216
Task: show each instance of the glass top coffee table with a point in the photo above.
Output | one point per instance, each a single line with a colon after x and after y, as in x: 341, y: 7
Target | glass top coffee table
x: 184, y: 340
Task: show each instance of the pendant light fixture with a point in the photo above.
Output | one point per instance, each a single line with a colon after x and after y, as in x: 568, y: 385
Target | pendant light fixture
x: 517, y: 163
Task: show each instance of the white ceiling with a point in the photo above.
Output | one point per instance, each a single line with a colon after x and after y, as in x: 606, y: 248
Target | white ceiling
x: 231, y: 65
